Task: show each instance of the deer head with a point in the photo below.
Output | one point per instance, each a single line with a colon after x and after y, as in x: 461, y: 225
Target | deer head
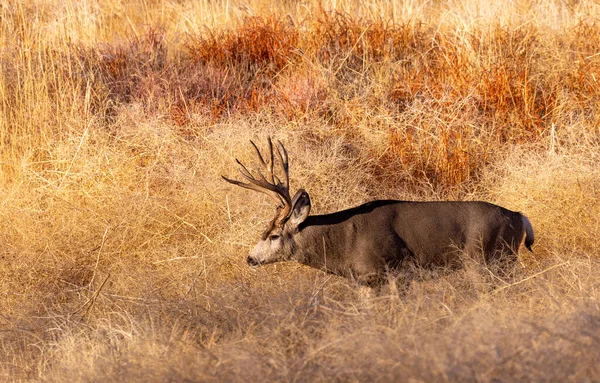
x: 277, y: 242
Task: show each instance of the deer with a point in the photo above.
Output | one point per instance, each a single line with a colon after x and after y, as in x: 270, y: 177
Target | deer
x: 368, y: 242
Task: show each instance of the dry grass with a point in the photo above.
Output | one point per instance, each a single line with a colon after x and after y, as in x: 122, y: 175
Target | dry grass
x: 122, y: 252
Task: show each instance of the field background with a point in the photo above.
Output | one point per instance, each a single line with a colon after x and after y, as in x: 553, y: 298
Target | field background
x: 122, y: 252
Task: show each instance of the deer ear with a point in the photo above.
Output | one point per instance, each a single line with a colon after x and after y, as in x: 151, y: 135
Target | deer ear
x: 300, y: 208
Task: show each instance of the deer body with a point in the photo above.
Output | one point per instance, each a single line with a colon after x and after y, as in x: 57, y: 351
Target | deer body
x: 366, y: 242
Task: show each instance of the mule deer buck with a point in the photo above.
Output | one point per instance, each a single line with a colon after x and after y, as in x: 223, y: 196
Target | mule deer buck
x: 364, y: 243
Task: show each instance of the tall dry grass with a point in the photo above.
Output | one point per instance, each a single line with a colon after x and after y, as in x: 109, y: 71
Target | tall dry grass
x: 122, y: 252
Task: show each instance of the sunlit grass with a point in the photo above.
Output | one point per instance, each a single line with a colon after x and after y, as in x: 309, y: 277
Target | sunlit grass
x: 123, y: 253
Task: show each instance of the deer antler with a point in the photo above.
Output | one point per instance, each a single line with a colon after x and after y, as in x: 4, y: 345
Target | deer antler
x: 271, y: 185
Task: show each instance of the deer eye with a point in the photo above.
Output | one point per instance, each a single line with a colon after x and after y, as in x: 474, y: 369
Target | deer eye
x: 274, y: 237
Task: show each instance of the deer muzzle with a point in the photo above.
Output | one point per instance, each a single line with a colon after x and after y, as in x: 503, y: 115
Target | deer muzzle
x: 252, y: 262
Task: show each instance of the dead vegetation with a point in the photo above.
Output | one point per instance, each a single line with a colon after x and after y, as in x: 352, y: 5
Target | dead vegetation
x: 122, y: 253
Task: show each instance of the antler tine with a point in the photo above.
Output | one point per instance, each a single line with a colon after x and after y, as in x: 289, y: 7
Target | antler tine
x: 283, y: 157
x: 256, y: 186
x: 244, y: 171
x: 247, y: 175
x: 266, y: 165
x: 261, y: 184
x: 271, y: 162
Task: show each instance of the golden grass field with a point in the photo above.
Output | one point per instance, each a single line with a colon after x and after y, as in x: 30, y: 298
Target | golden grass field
x: 122, y: 252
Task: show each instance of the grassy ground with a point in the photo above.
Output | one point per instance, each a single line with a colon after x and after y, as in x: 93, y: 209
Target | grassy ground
x: 122, y: 252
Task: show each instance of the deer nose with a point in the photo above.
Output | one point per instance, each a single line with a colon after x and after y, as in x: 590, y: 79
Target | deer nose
x: 252, y: 262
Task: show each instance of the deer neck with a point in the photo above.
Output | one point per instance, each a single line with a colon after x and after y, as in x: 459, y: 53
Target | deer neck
x: 314, y: 247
